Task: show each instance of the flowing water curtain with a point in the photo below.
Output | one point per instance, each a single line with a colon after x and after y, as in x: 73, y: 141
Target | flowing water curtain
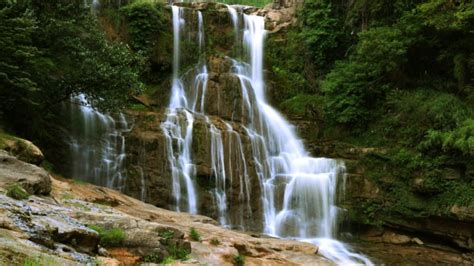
x: 97, y: 144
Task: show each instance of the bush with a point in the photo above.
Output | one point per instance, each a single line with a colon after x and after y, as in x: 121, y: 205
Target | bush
x: 109, y: 237
x: 194, y: 235
x: 178, y: 252
x: 17, y: 192
x: 167, y: 235
x: 304, y: 105
x: 239, y: 260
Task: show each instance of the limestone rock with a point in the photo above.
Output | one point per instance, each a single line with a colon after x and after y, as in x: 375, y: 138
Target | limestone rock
x: 464, y: 213
x: 393, y: 238
x: 33, y: 179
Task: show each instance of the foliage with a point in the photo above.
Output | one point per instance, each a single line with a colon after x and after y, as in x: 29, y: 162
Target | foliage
x: 144, y: 21
x: 167, y: 235
x: 288, y: 75
x: 239, y: 260
x: 395, y: 74
x: 177, y: 252
x: 168, y: 260
x: 310, y: 106
x: 18, y: 68
x: 321, y: 32
x: 194, y: 234
x: 458, y: 141
x: 31, y: 262
x: 358, y: 84
x: 113, y: 237
x: 59, y: 50
x: 17, y: 192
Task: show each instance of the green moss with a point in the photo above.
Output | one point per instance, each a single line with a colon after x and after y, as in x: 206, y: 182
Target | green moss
x: 17, y: 192
x: 79, y: 182
x: 109, y: 237
x: 31, y: 262
x: 138, y: 107
x: 168, y: 260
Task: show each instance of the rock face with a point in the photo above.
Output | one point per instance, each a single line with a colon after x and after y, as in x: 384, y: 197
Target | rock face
x: 149, y: 170
x: 33, y: 179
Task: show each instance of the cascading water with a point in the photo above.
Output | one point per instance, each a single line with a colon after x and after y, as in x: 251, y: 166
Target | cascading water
x: 97, y: 145
x: 298, y: 192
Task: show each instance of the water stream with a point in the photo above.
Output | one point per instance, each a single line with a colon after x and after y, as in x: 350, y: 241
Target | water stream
x: 298, y: 192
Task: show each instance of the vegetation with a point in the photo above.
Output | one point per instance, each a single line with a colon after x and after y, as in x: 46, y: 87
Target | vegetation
x: 58, y: 50
x: 194, y: 234
x: 239, y: 260
x: 178, y: 252
x: 15, y: 191
x: 398, y: 75
x: 167, y: 235
x: 215, y: 242
x: 109, y: 237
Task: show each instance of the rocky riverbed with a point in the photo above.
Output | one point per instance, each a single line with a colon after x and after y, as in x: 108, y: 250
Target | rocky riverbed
x: 62, y: 222
x: 66, y: 225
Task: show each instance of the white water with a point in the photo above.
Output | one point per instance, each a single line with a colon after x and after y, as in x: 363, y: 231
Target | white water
x: 299, y: 192
x: 97, y: 145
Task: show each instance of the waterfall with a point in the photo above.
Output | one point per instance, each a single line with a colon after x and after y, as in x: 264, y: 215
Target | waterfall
x: 297, y: 192
x: 97, y: 145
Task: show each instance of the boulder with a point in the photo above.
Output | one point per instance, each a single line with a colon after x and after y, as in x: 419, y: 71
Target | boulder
x: 33, y: 179
x: 23, y: 150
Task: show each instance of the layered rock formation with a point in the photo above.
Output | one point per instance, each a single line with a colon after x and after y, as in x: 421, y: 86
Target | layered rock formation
x: 147, y: 152
x: 53, y: 227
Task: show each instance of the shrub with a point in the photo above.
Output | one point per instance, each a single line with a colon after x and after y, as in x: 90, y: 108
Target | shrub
x: 109, y: 237
x: 239, y: 260
x: 178, y: 252
x: 15, y: 191
x: 194, y: 235
x: 167, y: 235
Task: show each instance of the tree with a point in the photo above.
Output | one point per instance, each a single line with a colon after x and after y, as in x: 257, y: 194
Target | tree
x: 18, y: 54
